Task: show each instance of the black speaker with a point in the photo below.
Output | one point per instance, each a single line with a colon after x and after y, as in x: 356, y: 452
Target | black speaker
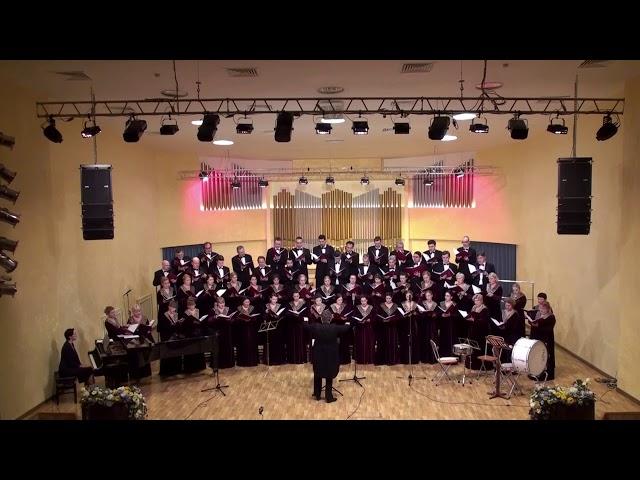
x: 97, y: 202
x: 574, y: 196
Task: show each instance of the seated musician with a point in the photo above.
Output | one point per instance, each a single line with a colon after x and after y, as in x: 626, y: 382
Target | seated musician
x: 303, y: 288
x: 341, y: 311
x: 137, y: 318
x: 542, y: 329
x: 427, y: 283
x: 297, y: 310
x: 164, y: 296
x: 111, y: 324
x: 263, y: 271
x: 326, y: 291
x: 386, y: 332
x: 164, y: 272
x: 70, y: 365
x: 352, y: 291
x: 247, y: 334
x: 168, y: 325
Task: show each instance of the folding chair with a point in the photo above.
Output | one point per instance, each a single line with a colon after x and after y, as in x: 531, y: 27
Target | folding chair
x: 511, y: 375
x: 485, y: 358
x: 444, y: 362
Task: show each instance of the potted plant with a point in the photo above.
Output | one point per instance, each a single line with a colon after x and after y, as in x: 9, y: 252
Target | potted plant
x: 576, y: 402
x: 122, y: 403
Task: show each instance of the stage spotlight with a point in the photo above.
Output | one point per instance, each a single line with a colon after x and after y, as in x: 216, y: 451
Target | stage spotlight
x: 360, y: 127
x: 244, y: 128
x: 478, y: 127
x: 51, y: 132
x: 608, y: 129
x: 235, y: 184
x: 364, y: 180
x: 438, y: 127
x: 284, y: 127
x: 90, y: 129
x: 332, y: 118
x: 323, y: 128
x: 401, y: 128
x: 519, y: 128
x: 209, y: 127
x: 8, y: 245
x: 557, y: 128
x: 9, y: 217
x: 400, y: 182
x: 133, y: 130
x: 6, y: 174
x: 9, y: 194
x: 262, y: 183
x: 303, y: 180
x: 169, y: 128
x: 8, y: 263
x: 203, y: 175
x: 8, y: 289
x: 464, y: 116
x: 330, y: 180
x: 459, y: 172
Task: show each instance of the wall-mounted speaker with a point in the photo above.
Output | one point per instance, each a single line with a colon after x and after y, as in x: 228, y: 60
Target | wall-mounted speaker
x: 574, y: 196
x: 97, y: 202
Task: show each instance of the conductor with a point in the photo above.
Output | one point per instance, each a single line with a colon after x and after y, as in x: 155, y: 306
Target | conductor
x: 326, y: 358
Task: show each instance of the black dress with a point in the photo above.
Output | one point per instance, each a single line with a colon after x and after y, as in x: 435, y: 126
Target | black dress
x: 340, y: 316
x: 477, y: 330
x: 408, y: 334
x: 163, y: 298
x: 542, y: 329
x: 193, y: 328
x: 276, y: 344
x: 296, y: 351
x: 168, y: 329
x: 493, y: 301
x: 247, y: 339
x: 427, y: 331
x: 446, y: 337
x: 364, y: 343
x: 386, y: 329
x: 221, y: 323
x: 70, y: 365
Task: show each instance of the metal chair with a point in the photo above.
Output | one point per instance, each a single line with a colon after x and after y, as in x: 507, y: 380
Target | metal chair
x: 445, y: 363
x: 485, y: 358
x: 510, y: 374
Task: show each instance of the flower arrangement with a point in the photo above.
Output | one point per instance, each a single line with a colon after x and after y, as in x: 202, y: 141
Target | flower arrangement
x: 545, y: 400
x: 131, y: 397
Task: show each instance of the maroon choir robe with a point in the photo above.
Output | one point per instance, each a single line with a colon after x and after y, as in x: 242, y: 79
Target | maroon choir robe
x: 328, y: 294
x: 493, y: 301
x: 306, y: 292
x: 477, y: 329
x: 247, y: 336
x: 221, y: 322
x: 351, y: 295
x: 542, y: 329
x: 428, y: 330
x: 377, y: 294
x: 364, y: 344
x: 448, y: 319
x: 192, y: 327
x: 163, y: 298
x: 168, y: 330
x: 419, y: 292
x: 408, y: 333
x: 294, y: 331
x: 276, y: 337
x: 182, y: 296
x: 341, y: 315
x: 386, y: 332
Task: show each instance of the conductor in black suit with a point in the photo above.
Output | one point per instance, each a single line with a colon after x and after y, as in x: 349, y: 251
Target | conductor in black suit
x: 326, y: 357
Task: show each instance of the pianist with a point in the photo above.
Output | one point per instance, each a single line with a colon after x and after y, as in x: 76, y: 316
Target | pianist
x: 70, y: 365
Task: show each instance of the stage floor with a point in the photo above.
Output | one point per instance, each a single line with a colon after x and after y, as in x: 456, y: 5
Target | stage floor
x: 284, y: 392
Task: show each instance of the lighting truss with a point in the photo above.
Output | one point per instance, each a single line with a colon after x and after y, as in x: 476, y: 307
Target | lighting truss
x: 344, y: 105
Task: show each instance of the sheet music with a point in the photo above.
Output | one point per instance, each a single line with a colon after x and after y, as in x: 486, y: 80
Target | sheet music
x: 199, y: 293
x: 463, y: 313
x: 472, y: 269
x: 221, y: 292
x: 401, y: 311
x: 129, y: 337
x: 202, y: 318
x: 133, y: 327
x: 446, y: 284
x: 497, y: 322
x: 421, y: 308
x: 151, y: 323
x: 280, y: 311
x: 314, y: 256
x: 475, y: 289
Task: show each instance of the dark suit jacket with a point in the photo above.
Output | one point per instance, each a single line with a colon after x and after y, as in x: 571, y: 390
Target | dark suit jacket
x: 322, y: 269
x: 207, y: 264
x: 302, y: 261
x: 326, y: 357
x: 69, y: 360
x: 236, y: 264
x: 157, y: 276
x: 353, y: 264
x: 383, y: 259
x: 277, y: 265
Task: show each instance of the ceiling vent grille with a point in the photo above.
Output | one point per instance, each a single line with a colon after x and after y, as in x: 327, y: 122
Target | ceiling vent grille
x: 417, y: 67
x: 242, y: 72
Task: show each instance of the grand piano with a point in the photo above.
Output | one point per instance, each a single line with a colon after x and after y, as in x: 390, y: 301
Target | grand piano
x: 119, y: 359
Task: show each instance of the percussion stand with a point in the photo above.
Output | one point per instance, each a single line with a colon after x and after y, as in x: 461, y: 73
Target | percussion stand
x: 497, y: 344
x: 410, y: 377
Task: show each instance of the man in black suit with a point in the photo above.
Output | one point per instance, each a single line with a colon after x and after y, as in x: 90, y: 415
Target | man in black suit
x: 378, y: 253
x: 207, y: 257
x: 325, y: 254
x: 444, y: 272
x: 326, y: 356
x: 465, y: 256
x: 301, y: 257
x: 220, y: 273
x: 431, y: 256
x: 339, y: 272
x: 165, y: 271
x: 263, y: 272
x: 480, y: 277
x: 277, y: 256
x: 198, y: 274
x: 351, y: 258
x: 242, y: 264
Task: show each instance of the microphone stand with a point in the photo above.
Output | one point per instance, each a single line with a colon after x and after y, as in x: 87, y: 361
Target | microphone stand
x: 410, y: 377
x: 355, y: 378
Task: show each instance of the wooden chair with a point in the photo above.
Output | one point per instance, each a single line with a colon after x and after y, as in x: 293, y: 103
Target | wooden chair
x: 445, y: 363
x: 485, y: 358
x: 65, y: 385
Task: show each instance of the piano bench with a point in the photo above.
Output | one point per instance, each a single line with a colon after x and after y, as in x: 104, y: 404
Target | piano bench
x: 65, y: 385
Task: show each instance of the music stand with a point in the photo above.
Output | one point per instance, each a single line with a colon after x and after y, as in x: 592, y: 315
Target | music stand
x: 214, y: 366
x: 266, y: 326
x: 355, y: 378
x: 497, y: 345
x: 410, y: 377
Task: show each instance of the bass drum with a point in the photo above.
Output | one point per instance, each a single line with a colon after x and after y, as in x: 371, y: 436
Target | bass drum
x: 529, y: 356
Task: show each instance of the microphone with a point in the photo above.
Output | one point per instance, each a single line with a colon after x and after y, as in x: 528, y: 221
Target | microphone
x: 128, y: 291
x: 260, y: 410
